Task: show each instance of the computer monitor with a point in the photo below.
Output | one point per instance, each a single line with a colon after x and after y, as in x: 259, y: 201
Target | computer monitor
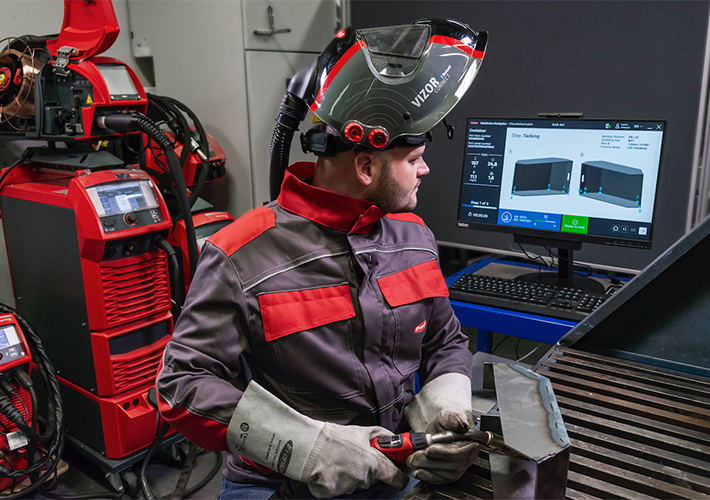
x: 558, y: 183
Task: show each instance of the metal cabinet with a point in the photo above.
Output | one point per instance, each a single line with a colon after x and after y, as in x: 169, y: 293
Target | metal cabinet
x: 280, y: 37
x: 267, y: 76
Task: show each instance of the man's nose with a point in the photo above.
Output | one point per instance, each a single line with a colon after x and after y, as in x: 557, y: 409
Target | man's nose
x: 423, y: 169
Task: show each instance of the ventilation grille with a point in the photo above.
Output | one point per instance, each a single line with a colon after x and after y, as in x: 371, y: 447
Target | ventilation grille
x: 138, y: 370
x: 135, y: 287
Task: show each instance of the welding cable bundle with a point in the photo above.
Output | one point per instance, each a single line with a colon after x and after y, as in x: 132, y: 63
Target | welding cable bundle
x: 134, y: 121
x: 44, y: 450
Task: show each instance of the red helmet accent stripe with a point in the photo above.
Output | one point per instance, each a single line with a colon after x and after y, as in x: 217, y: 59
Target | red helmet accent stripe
x: 346, y: 57
x: 453, y: 42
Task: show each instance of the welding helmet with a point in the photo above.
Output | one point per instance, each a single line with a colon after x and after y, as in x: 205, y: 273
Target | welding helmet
x: 382, y: 87
x: 377, y: 88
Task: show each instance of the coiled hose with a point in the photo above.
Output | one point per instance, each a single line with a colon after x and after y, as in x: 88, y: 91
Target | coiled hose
x: 54, y: 431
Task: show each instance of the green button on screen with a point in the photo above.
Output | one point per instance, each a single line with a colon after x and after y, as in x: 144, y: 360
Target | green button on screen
x: 575, y: 224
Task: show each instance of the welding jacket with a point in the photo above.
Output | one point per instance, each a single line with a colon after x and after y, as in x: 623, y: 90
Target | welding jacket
x: 332, y: 305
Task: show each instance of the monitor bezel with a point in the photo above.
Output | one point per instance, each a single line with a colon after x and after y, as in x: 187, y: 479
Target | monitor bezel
x: 548, y: 238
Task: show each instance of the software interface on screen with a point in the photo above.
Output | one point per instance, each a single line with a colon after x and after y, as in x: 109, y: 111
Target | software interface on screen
x: 585, y: 177
x: 122, y: 197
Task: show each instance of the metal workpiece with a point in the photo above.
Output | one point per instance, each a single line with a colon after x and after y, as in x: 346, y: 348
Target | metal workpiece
x: 535, y: 460
x: 525, y: 449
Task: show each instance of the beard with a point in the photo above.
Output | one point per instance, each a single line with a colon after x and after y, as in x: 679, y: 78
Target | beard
x: 390, y: 196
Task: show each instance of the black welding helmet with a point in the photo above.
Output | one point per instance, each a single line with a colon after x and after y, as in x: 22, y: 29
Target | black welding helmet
x: 373, y: 86
x: 377, y: 88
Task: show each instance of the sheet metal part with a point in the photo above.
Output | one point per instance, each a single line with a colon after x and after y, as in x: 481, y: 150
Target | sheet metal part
x: 636, y: 431
x: 532, y: 427
x: 533, y: 460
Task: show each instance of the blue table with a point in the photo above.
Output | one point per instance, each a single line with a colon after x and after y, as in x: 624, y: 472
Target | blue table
x: 488, y: 319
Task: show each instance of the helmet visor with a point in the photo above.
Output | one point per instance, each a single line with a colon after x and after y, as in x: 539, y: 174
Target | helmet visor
x: 396, y: 81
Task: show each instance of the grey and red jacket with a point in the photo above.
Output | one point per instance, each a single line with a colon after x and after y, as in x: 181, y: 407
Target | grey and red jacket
x: 328, y: 302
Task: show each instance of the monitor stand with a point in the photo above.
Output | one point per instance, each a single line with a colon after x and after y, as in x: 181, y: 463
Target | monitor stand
x: 565, y: 276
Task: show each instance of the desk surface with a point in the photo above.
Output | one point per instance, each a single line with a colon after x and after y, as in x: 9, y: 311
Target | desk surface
x: 488, y: 319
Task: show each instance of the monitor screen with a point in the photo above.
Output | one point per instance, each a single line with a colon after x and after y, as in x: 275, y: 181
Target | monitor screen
x: 122, y: 197
x: 562, y: 179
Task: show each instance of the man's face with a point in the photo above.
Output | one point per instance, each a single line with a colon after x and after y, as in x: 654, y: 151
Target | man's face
x: 397, y: 186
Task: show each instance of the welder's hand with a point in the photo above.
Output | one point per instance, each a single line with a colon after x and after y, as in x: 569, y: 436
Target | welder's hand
x: 331, y: 459
x: 342, y: 460
x: 445, y: 462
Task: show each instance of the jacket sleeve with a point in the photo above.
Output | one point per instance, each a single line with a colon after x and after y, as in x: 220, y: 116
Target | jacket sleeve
x: 445, y: 347
x: 203, y: 368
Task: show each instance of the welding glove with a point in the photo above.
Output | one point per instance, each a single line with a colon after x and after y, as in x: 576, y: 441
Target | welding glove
x: 331, y: 459
x: 443, y: 404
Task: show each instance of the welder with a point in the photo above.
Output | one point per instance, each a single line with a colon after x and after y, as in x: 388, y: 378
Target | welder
x: 309, y: 318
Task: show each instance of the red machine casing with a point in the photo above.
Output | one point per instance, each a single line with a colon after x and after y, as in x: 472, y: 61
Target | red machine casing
x: 98, y: 294
x: 128, y: 420
x: 155, y: 160
x: 206, y: 224
x: 91, y: 28
x: 19, y: 356
x: 119, y: 291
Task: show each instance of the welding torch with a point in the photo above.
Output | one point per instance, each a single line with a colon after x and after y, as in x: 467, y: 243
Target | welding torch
x: 400, y: 446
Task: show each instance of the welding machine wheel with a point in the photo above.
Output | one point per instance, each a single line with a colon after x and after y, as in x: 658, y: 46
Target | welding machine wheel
x: 130, y: 483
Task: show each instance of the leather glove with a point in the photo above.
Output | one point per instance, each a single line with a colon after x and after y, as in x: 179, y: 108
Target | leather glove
x: 331, y: 459
x: 446, y: 462
x: 442, y: 404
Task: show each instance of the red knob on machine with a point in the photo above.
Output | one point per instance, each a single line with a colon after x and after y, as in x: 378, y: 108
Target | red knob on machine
x: 378, y: 138
x: 354, y: 132
x: 131, y: 218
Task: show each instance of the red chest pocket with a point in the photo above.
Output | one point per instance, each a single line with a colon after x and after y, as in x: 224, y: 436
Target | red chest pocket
x: 415, y: 283
x: 407, y: 292
x: 285, y: 313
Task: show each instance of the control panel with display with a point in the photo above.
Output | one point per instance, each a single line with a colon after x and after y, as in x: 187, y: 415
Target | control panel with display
x: 124, y: 204
x: 12, y: 350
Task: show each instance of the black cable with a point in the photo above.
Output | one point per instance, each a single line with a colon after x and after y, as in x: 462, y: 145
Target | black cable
x: 9, y: 168
x: 54, y: 434
x: 533, y: 258
x: 145, y: 485
x: 179, y: 284
x: 85, y: 496
x: 517, y: 344
x: 505, y: 337
x: 204, y: 148
x: 138, y: 121
x: 176, y: 122
x: 181, y: 486
x: 215, y: 469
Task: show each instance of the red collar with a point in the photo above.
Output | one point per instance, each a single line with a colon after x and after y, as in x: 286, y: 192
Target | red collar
x: 325, y: 207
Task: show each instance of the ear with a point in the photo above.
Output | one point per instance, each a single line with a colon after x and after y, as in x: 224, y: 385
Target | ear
x: 364, y: 163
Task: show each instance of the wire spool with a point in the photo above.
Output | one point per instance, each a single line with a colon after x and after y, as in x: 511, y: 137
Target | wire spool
x: 18, y: 72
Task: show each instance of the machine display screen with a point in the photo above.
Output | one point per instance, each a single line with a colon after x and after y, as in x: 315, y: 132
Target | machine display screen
x: 8, y: 337
x: 122, y: 197
x: 3, y: 339
x: 118, y: 81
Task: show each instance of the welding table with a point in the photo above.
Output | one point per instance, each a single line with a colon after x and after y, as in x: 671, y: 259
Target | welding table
x: 487, y: 319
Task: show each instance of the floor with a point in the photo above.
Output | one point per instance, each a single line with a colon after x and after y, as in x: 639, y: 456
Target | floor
x: 83, y: 479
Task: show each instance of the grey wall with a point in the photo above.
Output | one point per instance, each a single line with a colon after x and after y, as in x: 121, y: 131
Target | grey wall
x: 620, y: 59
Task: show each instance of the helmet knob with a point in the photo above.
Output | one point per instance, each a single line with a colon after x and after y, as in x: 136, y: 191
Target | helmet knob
x: 354, y: 132
x: 378, y: 138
